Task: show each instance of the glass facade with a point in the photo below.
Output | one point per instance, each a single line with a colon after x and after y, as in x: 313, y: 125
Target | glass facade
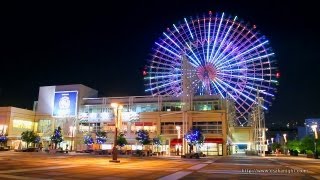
x: 170, y: 127
x: 206, y: 105
x: 209, y: 127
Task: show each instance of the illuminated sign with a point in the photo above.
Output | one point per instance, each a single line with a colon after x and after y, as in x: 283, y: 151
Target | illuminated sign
x: 65, y: 104
x: 22, y: 124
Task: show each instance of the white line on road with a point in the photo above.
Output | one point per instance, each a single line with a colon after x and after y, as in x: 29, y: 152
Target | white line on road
x: 198, y: 166
x: 208, y: 162
x: 145, y: 168
x: 176, y: 175
x: 37, y: 169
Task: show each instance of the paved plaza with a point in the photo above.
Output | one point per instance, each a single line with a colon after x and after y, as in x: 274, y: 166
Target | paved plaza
x: 27, y: 165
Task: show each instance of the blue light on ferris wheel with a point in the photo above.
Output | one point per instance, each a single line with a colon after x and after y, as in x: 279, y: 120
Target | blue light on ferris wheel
x: 226, y: 58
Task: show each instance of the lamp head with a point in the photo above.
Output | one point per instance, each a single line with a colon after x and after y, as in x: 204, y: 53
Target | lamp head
x: 314, y: 127
x: 114, y: 105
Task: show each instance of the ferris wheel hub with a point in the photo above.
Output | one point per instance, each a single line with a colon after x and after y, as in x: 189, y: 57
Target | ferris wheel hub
x: 206, y: 74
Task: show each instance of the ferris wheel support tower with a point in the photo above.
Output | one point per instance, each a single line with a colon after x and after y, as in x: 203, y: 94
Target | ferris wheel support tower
x: 187, y: 96
x: 258, y: 119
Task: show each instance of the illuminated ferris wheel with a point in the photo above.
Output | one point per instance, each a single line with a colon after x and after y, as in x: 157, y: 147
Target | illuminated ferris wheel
x: 225, y: 57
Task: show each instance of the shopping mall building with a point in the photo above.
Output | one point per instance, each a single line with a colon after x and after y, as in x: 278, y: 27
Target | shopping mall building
x: 78, y: 110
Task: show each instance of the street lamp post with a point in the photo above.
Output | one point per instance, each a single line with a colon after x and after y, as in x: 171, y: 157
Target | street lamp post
x: 178, y: 132
x: 314, y: 128
x: 116, y: 107
x: 72, y: 129
x: 285, y: 143
x: 271, y: 145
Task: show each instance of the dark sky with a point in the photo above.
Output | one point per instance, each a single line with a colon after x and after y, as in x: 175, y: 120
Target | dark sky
x: 105, y: 46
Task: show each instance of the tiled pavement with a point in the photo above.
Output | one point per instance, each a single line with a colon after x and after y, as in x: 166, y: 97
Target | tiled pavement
x: 22, y: 165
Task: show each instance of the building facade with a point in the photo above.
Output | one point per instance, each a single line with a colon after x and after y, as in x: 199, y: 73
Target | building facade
x: 14, y: 121
x: 79, y: 111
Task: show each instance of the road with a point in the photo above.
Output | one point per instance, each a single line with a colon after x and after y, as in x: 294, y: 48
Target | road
x: 35, y: 166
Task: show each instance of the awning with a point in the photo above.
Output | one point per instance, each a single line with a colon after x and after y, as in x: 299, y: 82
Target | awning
x: 213, y: 140
x: 144, y: 123
x: 174, y: 142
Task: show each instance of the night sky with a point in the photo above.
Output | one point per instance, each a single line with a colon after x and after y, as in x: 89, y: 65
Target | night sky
x: 105, y: 46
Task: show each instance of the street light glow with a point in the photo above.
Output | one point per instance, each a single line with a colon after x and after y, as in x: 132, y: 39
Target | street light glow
x: 314, y: 129
x: 117, y: 118
x: 178, y: 129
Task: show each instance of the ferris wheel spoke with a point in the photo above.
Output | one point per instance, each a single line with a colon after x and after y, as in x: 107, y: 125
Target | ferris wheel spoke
x: 243, y: 53
x: 217, y: 89
x: 175, y: 28
x: 252, y: 60
x: 215, y: 39
x: 161, y: 73
x: 162, y: 68
x: 167, y: 50
x: 170, y: 62
x: 172, y: 40
x: 225, y: 56
x: 241, y: 45
x: 208, y: 40
x: 195, y: 63
x: 169, y: 46
x: 164, y: 64
x: 168, y: 56
x: 161, y: 77
x: 188, y: 27
x: 225, y: 90
x: 241, y: 77
x: 235, y: 99
x: 198, y: 42
x: 224, y: 51
x: 239, y: 97
x: 261, y: 86
x: 201, y: 40
x: 223, y: 40
x: 194, y: 54
x: 236, y: 90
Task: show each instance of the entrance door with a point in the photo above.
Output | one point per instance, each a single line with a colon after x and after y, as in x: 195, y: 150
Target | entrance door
x: 220, y: 150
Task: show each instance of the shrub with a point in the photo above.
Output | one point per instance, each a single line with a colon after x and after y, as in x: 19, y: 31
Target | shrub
x: 309, y: 152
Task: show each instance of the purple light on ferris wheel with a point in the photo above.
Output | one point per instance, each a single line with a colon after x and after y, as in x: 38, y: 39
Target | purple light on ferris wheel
x: 227, y: 58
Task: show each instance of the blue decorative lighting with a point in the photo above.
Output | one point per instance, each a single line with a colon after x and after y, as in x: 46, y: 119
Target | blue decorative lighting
x: 226, y: 58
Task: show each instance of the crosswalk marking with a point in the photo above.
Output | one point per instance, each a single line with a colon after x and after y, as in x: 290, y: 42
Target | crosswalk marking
x: 198, y: 166
x: 176, y: 175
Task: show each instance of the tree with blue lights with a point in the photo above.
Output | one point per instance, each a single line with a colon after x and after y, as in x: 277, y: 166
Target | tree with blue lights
x: 88, y: 140
x: 101, y: 137
x: 194, y: 138
x: 143, y: 137
x: 157, y: 141
x: 3, y: 140
x: 57, y: 138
